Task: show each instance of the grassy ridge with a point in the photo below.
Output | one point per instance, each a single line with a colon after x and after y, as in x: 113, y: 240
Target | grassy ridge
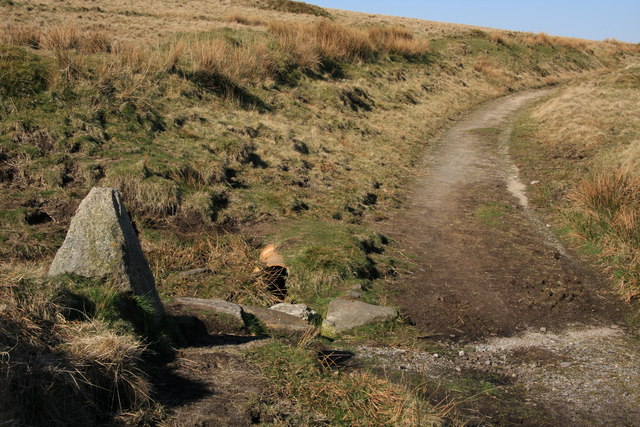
x: 582, y: 144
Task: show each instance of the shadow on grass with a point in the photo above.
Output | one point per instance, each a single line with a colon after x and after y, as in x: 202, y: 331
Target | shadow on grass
x: 224, y: 87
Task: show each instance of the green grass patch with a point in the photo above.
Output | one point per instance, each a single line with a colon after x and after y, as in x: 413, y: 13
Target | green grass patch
x: 21, y: 73
x: 491, y: 213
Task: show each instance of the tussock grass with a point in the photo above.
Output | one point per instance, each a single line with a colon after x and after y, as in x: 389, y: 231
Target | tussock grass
x: 245, y: 19
x: 607, y: 207
x: 327, y: 40
x: 56, y: 38
x: 544, y: 39
x: 340, y: 397
x: 59, y: 372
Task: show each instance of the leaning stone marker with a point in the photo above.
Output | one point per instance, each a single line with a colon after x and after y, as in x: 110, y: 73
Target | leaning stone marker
x: 344, y: 314
x: 101, y: 242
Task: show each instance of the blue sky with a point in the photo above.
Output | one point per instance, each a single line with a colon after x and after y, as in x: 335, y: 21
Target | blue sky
x: 587, y: 19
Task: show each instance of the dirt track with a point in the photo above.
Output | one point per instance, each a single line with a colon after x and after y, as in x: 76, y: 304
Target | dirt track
x: 488, y: 276
x: 483, y: 266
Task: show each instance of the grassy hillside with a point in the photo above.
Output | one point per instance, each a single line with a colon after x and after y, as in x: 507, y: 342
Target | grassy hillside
x: 231, y: 125
x: 582, y: 144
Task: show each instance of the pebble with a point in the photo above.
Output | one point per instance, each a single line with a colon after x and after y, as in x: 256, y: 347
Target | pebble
x: 461, y: 353
x: 543, y: 329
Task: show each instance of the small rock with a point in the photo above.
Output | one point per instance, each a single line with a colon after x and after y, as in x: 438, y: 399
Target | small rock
x: 354, y: 294
x: 297, y: 310
x: 436, y: 355
x: 565, y: 364
x: 277, y: 321
x: 345, y: 314
x: 461, y: 353
x: 543, y: 329
x: 534, y: 182
x: 214, y: 305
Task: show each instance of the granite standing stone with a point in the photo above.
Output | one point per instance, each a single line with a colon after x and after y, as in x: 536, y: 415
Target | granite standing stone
x: 101, y: 242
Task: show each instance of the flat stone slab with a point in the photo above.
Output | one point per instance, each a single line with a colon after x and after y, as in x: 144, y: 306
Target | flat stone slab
x: 277, y: 321
x: 297, y: 310
x: 214, y: 305
x: 344, y: 314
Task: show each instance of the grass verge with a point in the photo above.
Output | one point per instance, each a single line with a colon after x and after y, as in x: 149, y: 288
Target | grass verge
x: 581, y: 143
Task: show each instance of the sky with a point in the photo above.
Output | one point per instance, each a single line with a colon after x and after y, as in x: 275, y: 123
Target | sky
x: 588, y: 19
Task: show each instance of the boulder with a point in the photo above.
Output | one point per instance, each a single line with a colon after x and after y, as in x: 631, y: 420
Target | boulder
x: 344, y: 314
x: 213, y: 305
x: 101, y: 242
x: 297, y: 310
x: 277, y: 321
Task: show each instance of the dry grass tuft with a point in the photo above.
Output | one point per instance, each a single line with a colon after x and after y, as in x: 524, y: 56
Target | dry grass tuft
x: 245, y: 20
x: 487, y: 68
x: 608, y: 207
x: 499, y: 37
x: 60, y: 38
x: 309, y: 45
x: 22, y: 35
x: 397, y: 41
x: 96, y: 41
x: 221, y: 60
x: 542, y: 39
x: 64, y: 373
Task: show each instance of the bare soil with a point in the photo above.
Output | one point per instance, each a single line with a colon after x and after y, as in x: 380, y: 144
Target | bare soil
x: 535, y: 335
x: 482, y: 265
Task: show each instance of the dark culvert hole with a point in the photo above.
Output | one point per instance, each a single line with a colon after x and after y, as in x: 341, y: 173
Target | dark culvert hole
x: 37, y: 217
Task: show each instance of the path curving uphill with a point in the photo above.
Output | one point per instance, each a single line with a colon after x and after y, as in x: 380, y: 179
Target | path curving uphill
x: 483, y: 265
x: 490, y: 280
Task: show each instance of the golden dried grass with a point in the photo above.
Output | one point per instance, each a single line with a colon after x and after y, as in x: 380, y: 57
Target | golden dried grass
x: 487, y: 68
x: 22, y: 35
x: 608, y: 205
x: 218, y: 58
x: 245, y: 20
x: 499, y: 37
x: 308, y: 45
x: 541, y: 39
x: 63, y: 372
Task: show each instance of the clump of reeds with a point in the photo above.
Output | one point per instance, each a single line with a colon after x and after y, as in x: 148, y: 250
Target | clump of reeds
x: 608, y: 213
